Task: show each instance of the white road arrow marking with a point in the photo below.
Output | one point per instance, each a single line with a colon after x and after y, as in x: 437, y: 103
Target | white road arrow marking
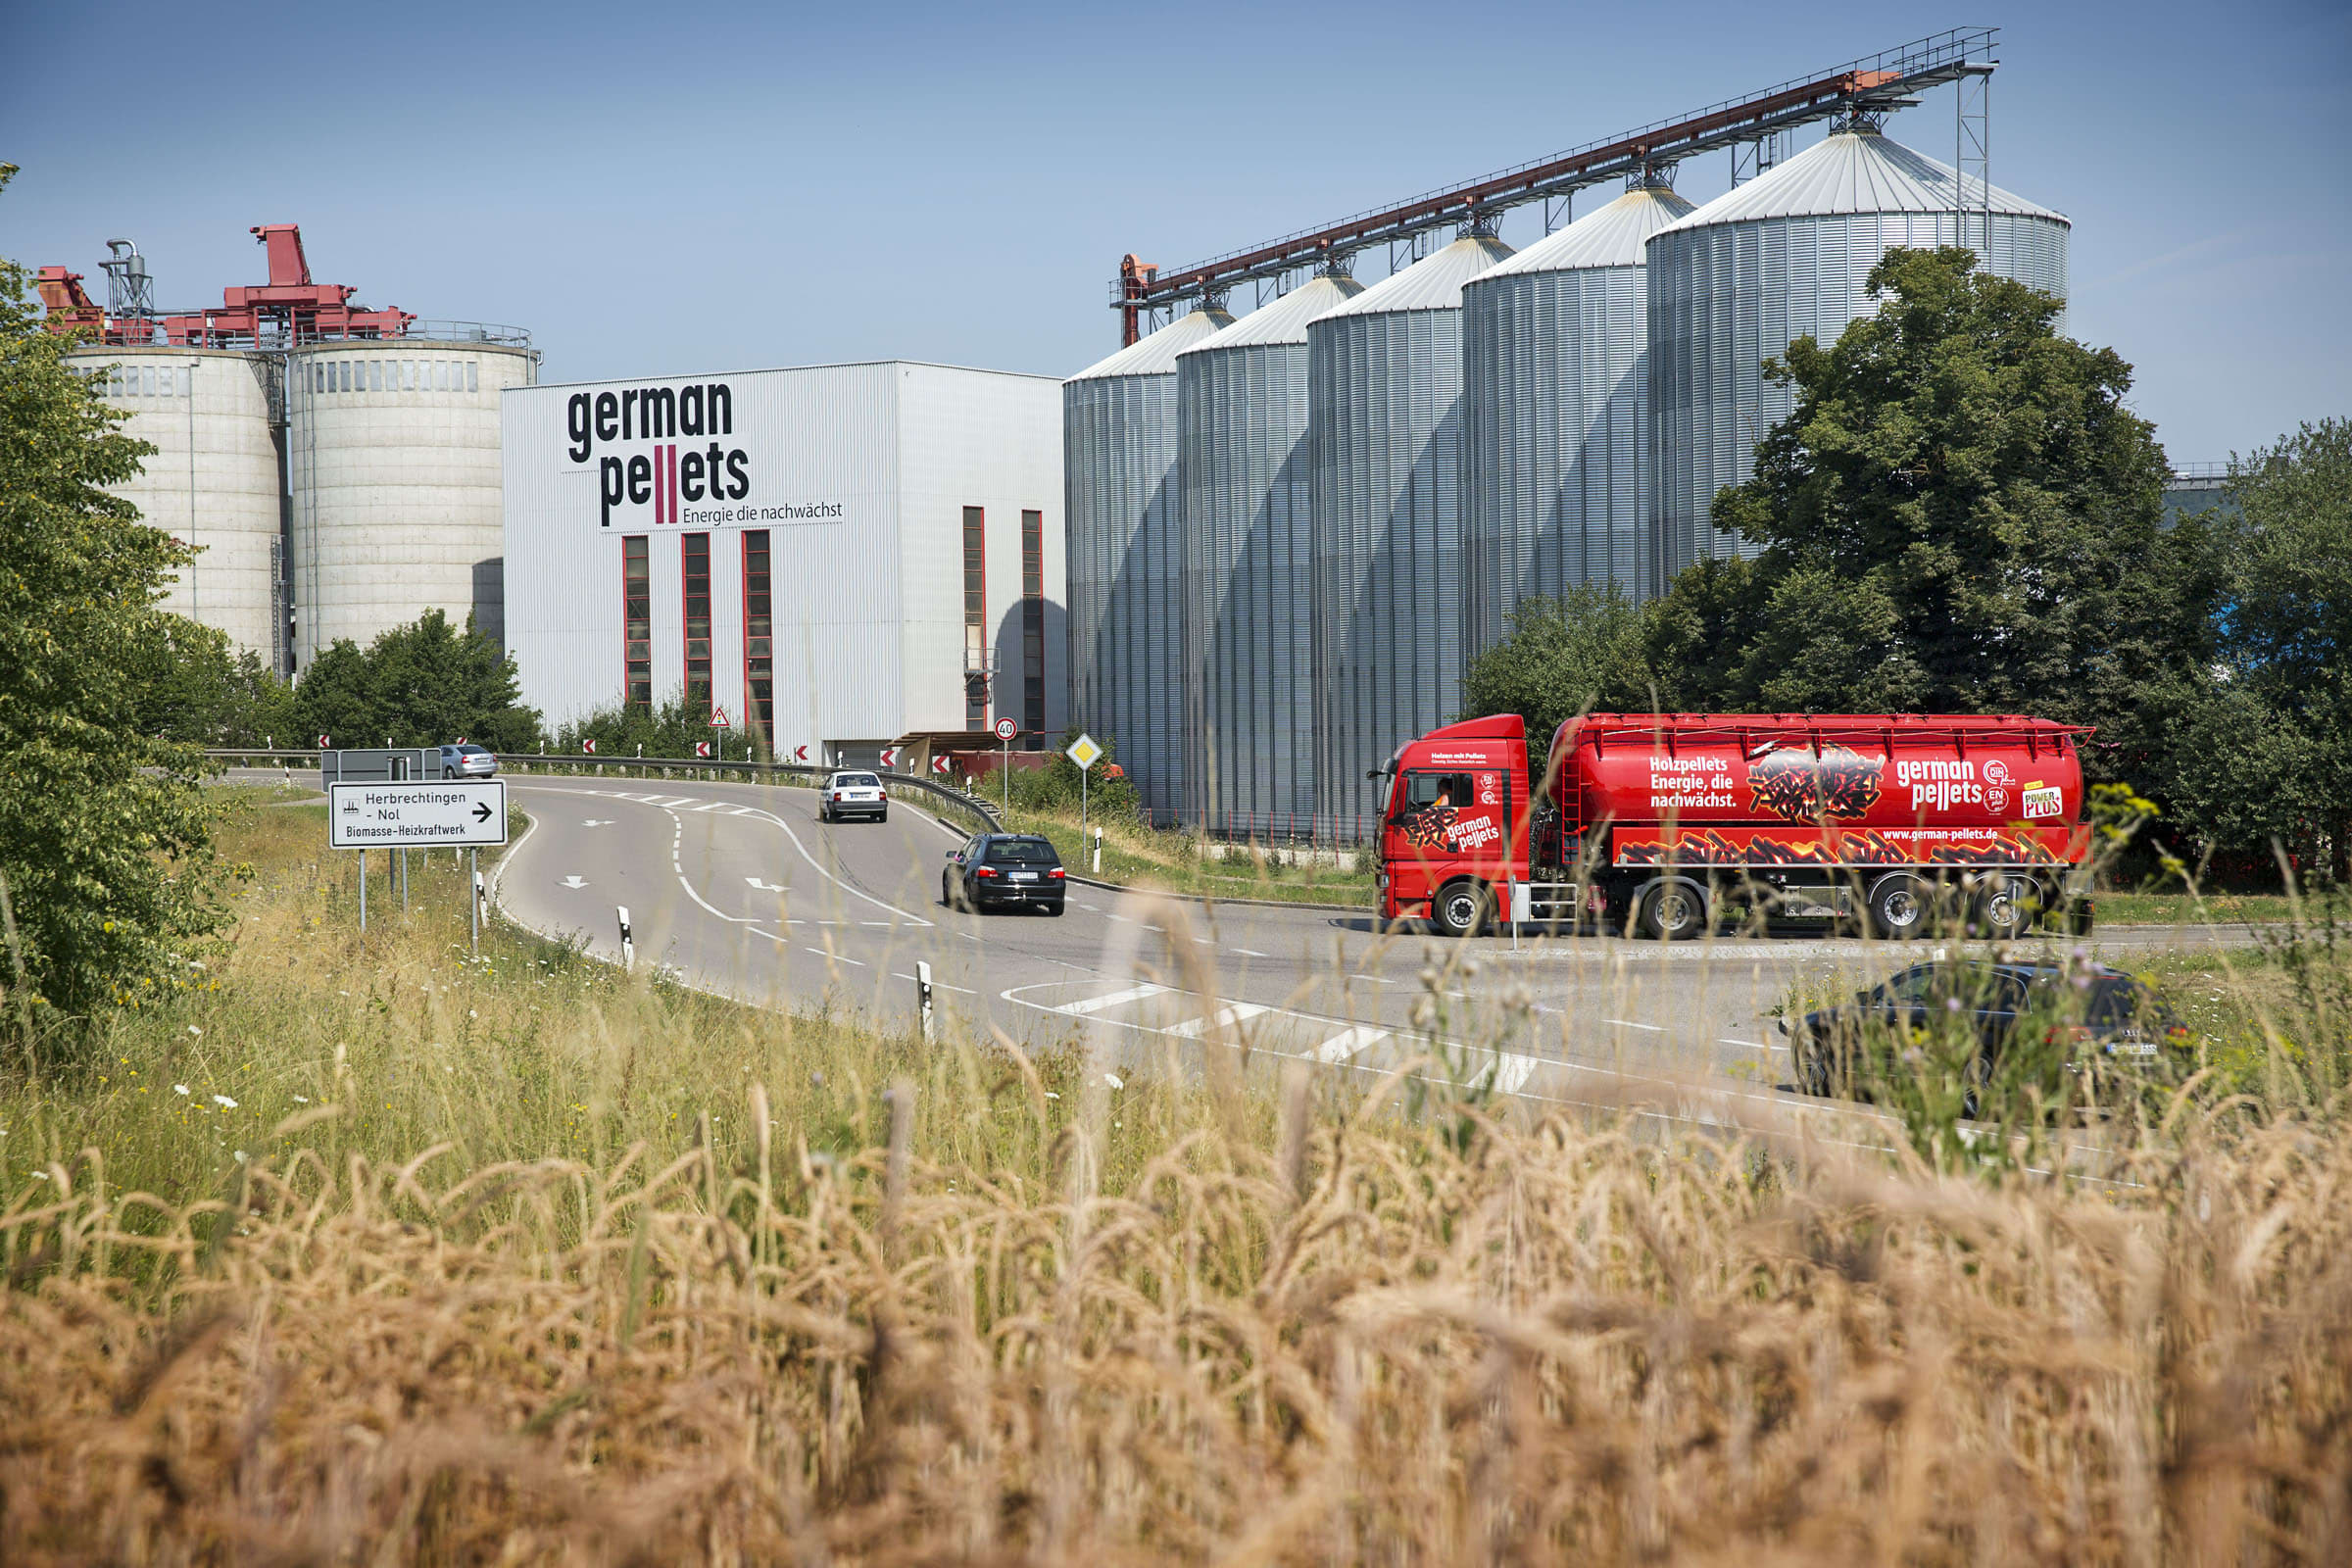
x: 765, y: 886
x: 593, y: 822
x: 576, y: 882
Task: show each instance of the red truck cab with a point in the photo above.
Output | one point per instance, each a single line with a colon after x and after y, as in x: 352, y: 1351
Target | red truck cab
x: 1456, y: 823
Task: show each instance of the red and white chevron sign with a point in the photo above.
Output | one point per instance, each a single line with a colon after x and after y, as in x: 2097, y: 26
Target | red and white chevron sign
x: 324, y: 743
x: 702, y: 748
x: 588, y: 745
x: 940, y: 764
x: 890, y: 757
x: 799, y: 753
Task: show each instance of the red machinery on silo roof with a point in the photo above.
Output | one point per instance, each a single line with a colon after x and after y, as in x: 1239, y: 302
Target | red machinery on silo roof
x: 289, y: 309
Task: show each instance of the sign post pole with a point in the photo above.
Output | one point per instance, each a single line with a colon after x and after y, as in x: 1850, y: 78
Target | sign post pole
x: 404, y: 884
x: 1007, y: 729
x: 363, y: 893
x: 474, y: 902
x: 1085, y: 750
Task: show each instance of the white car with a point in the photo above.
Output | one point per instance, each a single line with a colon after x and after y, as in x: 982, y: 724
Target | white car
x: 847, y: 794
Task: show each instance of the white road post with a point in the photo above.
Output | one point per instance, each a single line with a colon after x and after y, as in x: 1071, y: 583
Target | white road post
x: 628, y: 943
x: 1098, y: 851
x: 922, y: 998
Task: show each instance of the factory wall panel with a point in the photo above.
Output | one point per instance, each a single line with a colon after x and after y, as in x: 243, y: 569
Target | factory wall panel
x: 857, y: 473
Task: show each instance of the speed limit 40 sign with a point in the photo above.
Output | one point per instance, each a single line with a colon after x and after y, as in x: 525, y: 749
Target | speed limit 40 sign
x: 1007, y: 729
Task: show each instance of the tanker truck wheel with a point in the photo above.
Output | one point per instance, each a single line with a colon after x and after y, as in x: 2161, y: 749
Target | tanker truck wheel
x: 2005, y: 906
x: 1461, y: 909
x: 1901, y: 907
x: 1670, y: 912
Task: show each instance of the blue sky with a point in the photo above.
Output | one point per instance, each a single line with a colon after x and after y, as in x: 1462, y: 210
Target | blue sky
x: 659, y: 189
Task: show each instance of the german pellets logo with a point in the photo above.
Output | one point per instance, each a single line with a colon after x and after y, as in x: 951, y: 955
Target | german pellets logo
x: 677, y: 463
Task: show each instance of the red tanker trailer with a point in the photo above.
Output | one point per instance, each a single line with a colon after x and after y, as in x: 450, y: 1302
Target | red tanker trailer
x: 1668, y: 821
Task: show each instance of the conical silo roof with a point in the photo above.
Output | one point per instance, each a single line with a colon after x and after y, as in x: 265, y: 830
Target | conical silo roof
x: 1285, y: 320
x: 1156, y: 354
x: 1612, y: 236
x: 1431, y: 284
x: 1857, y: 170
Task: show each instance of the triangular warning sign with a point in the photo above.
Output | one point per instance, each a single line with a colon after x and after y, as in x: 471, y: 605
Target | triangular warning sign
x: 718, y: 718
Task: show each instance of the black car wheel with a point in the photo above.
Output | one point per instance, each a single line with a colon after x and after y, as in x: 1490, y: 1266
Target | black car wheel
x: 947, y: 891
x: 1809, y: 1060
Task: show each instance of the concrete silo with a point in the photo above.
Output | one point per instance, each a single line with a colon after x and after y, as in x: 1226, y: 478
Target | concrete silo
x: 1244, y: 515
x: 393, y: 473
x: 211, y: 482
x: 1555, y: 414
x: 1126, y: 571
x: 1780, y: 257
x: 1384, y: 428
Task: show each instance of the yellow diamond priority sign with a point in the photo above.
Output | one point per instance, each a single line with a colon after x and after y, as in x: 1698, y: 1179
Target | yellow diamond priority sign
x: 1085, y: 750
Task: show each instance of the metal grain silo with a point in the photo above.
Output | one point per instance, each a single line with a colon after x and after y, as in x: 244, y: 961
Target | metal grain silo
x: 212, y: 480
x: 1243, y: 509
x: 1384, y: 428
x: 392, y: 455
x: 1780, y: 257
x: 1118, y: 433
x: 1555, y: 414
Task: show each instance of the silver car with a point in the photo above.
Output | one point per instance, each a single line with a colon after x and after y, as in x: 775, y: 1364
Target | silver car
x: 467, y: 761
x: 847, y: 794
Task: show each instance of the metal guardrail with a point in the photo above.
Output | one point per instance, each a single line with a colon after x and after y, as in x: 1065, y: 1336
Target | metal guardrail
x: 569, y: 764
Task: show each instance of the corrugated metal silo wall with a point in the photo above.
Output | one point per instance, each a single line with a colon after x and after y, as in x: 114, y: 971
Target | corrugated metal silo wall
x: 1126, y: 582
x: 1245, y: 502
x: 1724, y: 298
x: 1555, y: 399
x: 1385, y: 432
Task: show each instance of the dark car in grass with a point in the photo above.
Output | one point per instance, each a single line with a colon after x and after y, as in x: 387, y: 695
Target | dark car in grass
x: 2061, y: 1013
x: 1004, y: 871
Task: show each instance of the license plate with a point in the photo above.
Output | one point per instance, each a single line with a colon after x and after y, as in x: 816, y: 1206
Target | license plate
x: 1024, y: 876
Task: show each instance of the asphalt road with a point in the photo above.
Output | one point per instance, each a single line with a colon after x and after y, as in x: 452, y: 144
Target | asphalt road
x: 738, y: 889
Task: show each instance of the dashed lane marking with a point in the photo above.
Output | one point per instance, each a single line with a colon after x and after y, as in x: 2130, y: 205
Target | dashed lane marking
x: 1627, y: 1023
x: 1346, y: 1043
x: 1231, y: 1015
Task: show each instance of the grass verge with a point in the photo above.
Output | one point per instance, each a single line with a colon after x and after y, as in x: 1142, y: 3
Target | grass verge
x: 516, y: 1261
x: 1172, y: 863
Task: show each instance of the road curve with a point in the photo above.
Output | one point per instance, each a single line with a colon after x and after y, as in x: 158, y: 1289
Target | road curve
x: 739, y: 890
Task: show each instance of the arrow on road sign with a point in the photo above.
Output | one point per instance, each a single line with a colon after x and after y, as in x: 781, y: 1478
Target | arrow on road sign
x: 799, y: 753
x: 939, y: 764
x: 322, y: 743
x: 589, y: 747
x: 702, y: 748
x: 481, y: 810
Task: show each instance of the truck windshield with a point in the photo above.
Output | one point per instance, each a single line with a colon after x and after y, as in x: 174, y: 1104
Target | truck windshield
x: 1430, y: 789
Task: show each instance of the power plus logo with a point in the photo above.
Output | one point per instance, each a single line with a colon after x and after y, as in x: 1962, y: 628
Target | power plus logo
x: 670, y: 470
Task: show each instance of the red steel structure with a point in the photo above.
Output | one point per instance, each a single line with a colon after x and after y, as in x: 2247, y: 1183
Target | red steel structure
x: 291, y: 308
x: 1868, y: 86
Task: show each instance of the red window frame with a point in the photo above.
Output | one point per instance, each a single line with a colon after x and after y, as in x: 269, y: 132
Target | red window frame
x: 636, y: 620
x: 693, y: 548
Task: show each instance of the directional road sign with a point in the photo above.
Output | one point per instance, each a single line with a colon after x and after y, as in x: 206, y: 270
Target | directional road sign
x: 1085, y: 750
x: 416, y: 815
x: 1007, y: 729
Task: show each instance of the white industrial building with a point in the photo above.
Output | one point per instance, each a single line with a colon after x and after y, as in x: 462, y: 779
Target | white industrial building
x: 838, y: 557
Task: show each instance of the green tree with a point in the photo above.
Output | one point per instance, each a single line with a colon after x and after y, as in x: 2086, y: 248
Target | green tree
x: 2270, y: 760
x: 104, y: 827
x: 423, y: 684
x: 1961, y: 514
x: 1578, y: 653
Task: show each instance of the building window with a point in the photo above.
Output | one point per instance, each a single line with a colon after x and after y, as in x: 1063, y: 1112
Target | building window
x: 759, y: 633
x: 976, y: 619
x: 1033, y: 621
x: 474, y: 375
x: 694, y: 552
x: 637, y: 620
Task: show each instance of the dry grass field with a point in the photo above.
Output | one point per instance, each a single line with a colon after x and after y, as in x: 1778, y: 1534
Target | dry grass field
x: 511, y: 1262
